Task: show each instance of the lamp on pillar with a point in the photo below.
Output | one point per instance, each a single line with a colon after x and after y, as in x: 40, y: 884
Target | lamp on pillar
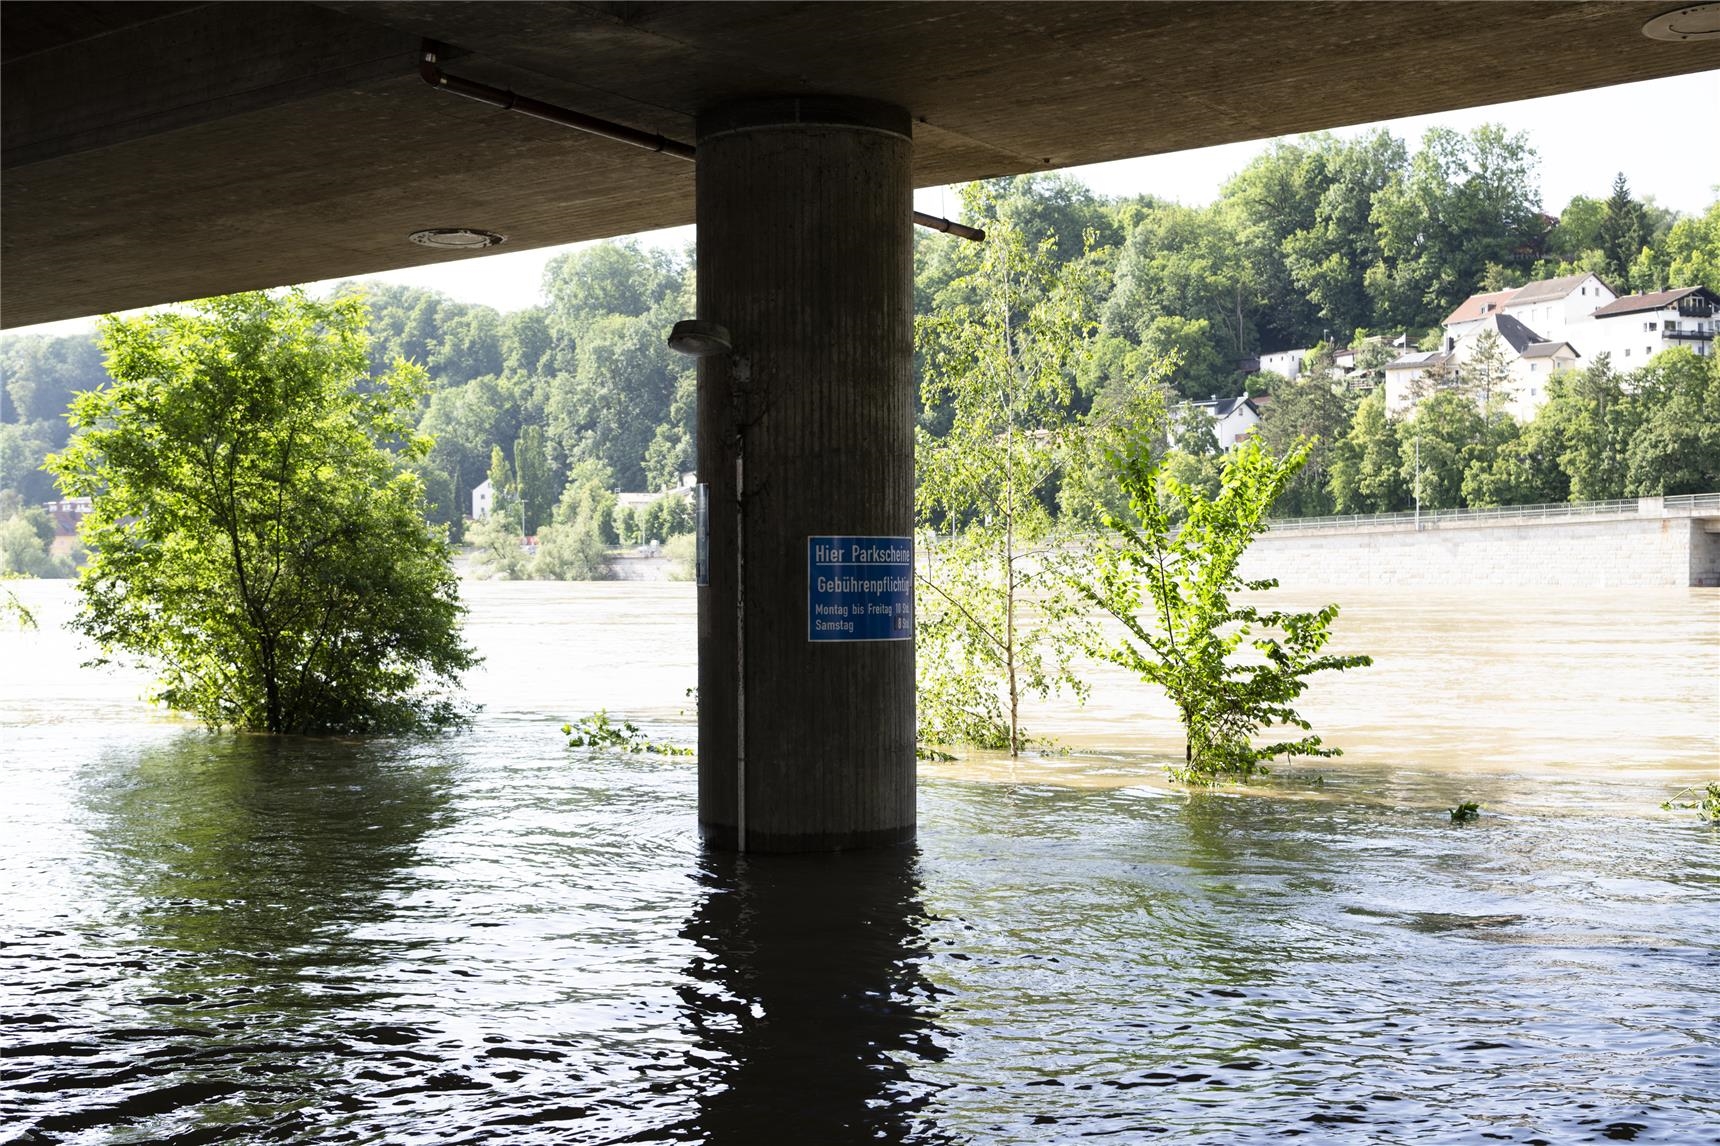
x: 697, y: 338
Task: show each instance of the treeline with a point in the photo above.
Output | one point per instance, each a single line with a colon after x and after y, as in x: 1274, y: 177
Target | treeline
x: 1318, y: 242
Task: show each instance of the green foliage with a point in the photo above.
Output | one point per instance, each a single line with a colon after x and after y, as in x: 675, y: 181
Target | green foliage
x: 499, y: 548
x: 1591, y: 421
x: 1623, y: 233
x: 1465, y: 202
x: 532, y: 485
x: 1466, y: 813
x: 669, y: 516
x: 570, y: 552
x: 11, y: 606
x: 1307, y: 409
x: 1675, y: 447
x: 1708, y: 806
x: 1692, y: 250
x: 254, y: 535
x: 1365, y: 474
x: 682, y: 552
x: 1171, y: 588
x: 573, y: 548
x: 599, y: 731
x: 995, y: 616
x: 1328, y: 257
x: 1436, y: 446
x: 26, y: 539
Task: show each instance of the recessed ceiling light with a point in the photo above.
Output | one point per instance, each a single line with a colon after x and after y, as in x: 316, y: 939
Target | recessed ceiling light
x: 1693, y: 22
x: 456, y: 238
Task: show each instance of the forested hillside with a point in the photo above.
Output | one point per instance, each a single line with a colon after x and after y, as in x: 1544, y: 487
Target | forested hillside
x: 1317, y: 243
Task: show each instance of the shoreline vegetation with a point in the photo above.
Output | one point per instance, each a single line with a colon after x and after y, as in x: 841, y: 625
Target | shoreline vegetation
x: 1362, y: 246
x: 1064, y: 369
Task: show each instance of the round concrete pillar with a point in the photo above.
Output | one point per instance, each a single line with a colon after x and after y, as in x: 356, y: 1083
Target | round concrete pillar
x: 806, y: 429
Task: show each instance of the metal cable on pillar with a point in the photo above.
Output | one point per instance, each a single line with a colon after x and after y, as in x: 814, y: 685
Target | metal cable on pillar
x: 700, y: 339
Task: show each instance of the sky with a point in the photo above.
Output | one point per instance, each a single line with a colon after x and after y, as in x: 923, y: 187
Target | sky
x: 1583, y: 138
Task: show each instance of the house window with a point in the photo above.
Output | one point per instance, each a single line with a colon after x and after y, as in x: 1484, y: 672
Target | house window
x: 1648, y: 326
x: 1627, y: 352
x: 1533, y: 366
x: 1671, y: 325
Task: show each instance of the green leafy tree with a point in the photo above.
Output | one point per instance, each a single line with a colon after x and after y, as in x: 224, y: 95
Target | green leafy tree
x: 1309, y: 410
x: 1171, y: 588
x: 1692, y: 251
x: 1328, y: 257
x: 1623, y: 234
x: 1466, y: 201
x: 1590, y: 419
x: 1365, y: 471
x: 993, y: 617
x: 1487, y: 376
x: 1578, y: 229
x: 1676, y: 445
x: 1181, y: 286
x: 532, y: 479
x: 26, y: 539
x: 254, y: 535
x: 1436, y: 446
x: 574, y: 546
x: 499, y: 548
x: 1519, y: 467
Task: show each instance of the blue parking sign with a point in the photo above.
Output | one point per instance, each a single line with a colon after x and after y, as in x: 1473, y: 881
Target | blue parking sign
x: 859, y: 588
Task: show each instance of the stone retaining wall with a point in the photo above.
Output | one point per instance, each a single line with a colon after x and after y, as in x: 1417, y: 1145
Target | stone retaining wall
x: 1595, y: 553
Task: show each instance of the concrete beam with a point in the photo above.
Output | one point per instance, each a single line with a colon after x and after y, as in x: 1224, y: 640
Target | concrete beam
x: 189, y: 67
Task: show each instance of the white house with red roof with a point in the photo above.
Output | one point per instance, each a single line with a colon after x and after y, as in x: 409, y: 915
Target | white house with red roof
x: 1548, y: 306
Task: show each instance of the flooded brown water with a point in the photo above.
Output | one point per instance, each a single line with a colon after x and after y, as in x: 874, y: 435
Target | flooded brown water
x: 492, y: 938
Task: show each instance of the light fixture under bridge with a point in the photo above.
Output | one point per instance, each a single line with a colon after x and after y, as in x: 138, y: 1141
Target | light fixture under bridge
x: 456, y: 238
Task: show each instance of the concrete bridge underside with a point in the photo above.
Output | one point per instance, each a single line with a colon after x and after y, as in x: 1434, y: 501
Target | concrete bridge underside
x: 157, y: 151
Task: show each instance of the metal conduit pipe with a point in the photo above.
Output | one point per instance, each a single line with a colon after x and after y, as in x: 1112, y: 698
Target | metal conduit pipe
x: 430, y: 69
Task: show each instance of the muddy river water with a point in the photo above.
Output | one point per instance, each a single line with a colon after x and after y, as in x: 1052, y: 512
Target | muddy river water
x: 492, y: 938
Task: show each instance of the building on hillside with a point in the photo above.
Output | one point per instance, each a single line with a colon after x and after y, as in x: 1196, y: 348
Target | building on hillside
x: 1529, y: 361
x: 1406, y: 377
x: 1472, y: 310
x: 1284, y: 363
x: 1633, y: 329
x: 1550, y: 306
x: 68, y: 513
x: 483, y: 500
x: 1232, y: 418
x: 1554, y: 306
x: 1531, y: 371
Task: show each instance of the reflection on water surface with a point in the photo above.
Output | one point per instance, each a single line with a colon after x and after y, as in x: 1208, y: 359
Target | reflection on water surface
x: 488, y: 939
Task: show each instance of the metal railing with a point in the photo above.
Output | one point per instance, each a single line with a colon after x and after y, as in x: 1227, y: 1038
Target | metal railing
x: 1677, y: 505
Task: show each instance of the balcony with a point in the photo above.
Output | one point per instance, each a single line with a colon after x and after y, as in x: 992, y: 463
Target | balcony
x: 1690, y: 335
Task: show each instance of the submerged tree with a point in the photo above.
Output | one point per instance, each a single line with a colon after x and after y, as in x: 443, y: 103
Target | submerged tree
x: 993, y: 621
x: 1171, y: 589
x: 256, y: 535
